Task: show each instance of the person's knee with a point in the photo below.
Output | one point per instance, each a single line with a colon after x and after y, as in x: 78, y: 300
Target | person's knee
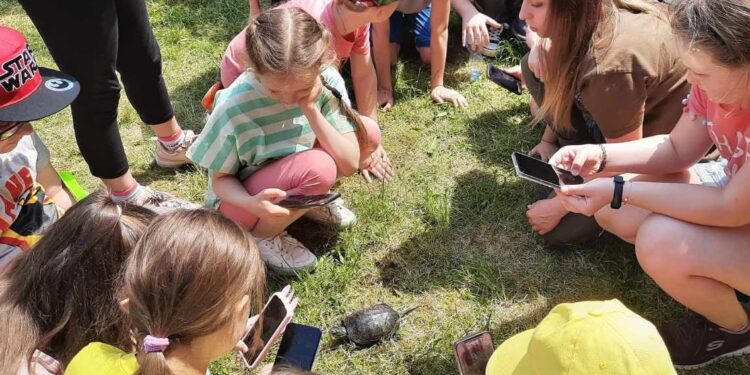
x: 424, y: 55
x: 657, y: 247
x: 373, y: 134
x: 322, y: 173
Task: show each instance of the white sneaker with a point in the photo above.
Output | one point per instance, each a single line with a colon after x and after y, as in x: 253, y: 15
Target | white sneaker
x: 176, y: 157
x: 284, y: 254
x: 490, y: 50
x: 334, y: 214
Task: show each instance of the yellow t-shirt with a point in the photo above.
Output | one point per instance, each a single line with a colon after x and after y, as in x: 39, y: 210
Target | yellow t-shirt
x: 100, y: 358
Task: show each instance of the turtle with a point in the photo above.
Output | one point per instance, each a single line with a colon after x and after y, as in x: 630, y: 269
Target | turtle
x: 369, y: 326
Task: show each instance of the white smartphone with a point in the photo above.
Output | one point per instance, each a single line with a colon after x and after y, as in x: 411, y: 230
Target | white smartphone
x: 274, y: 318
x: 542, y: 173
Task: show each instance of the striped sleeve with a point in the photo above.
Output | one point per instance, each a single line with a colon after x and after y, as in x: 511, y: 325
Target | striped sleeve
x: 330, y: 105
x: 216, y: 147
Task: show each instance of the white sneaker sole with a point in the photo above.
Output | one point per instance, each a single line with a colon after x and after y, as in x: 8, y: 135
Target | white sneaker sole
x: 169, y: 164
x: 291, y: 271
x: 489, y: 52
x: 737, y: 353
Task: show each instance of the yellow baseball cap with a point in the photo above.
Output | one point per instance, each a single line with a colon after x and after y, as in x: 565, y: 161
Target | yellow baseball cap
x: 585, y: 338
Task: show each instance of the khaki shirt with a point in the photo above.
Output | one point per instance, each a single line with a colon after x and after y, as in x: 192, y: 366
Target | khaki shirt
x: 633, y: 76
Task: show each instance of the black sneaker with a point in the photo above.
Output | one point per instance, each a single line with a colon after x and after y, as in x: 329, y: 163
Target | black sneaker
x: 518, y: 28
x: 695, y: 342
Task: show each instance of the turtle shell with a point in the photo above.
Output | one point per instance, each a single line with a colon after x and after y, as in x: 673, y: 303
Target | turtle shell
x: 367, y: 327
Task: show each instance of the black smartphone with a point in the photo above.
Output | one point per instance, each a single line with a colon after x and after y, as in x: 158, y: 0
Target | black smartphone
x: 503, y: 79
x: 473, y: 353
x: 306, y: 201
x: 543, y: 173
x: 299, y: 346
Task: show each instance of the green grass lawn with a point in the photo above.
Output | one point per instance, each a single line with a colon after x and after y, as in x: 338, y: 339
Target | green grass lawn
x: 449, y: 234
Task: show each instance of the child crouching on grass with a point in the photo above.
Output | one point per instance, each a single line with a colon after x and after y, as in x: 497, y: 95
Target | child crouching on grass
x: 31, y: 193
x: 284, y: 127
x: 187, y: 298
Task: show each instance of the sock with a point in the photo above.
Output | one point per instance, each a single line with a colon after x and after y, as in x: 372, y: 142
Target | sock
x: 173, y: 141
x: 741, y: 331
x: 128, y: 195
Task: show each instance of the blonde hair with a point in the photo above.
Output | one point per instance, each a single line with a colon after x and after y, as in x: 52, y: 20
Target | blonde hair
x: 290, y: 42
x: 183, y: 278
x: 573, y: 24
x: 720, y: 26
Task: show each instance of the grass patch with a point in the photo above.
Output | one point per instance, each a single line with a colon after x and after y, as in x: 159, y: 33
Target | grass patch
x: 449, y: 234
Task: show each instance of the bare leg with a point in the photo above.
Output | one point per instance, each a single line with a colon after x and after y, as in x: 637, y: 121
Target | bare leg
x: 424, y: 54
x: 395, y: 48
x: 166, y: 129
x: 121, y: 183
x: 699, y: 266
x: 271, y: 228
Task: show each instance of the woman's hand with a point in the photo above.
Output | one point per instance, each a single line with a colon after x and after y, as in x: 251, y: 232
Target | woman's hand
x: 544, y: 215
x: 474, y: 31
x: 515, y: 72
x: 264, y: 205
x: 588, y: 198
x: 583, y: 160
x: 442, y: 94
x: 378, y: 165
x: 545, y: 150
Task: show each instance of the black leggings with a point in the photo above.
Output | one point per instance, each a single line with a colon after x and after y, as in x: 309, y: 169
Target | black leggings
x: 92, y: 40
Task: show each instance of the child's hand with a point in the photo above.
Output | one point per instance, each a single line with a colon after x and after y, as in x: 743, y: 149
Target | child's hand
x: 385, y: 99
x: 308, y: 100
x: 378, y: 165
x: 442, y: 94
x: 475, y: 34
x: 264, y: 204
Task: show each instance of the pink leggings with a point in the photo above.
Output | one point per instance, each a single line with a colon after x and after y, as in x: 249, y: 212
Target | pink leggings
x: 309, y: 172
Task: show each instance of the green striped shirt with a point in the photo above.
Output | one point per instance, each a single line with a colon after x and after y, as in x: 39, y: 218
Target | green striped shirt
x: 248, y: 129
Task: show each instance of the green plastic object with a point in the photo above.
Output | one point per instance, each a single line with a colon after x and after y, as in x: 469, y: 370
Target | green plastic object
x: 73, y: 186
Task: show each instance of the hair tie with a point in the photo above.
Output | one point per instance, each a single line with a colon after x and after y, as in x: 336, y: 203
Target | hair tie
x: 155, y: 344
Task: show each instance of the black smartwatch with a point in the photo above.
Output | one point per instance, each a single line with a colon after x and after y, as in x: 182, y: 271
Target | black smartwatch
x: 617, y: 197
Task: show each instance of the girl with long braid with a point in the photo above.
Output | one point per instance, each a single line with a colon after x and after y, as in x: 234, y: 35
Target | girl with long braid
x: 284, y: 127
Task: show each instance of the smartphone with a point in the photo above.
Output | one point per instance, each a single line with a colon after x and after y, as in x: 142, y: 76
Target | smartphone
x: 299, y: 346
x: 473, y: 353
x: 503, y: 79
x: 305, y: 201
x: 275, y: 316
x: 543, y: 173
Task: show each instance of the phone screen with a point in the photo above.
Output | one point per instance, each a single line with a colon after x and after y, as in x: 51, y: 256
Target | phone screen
x: 299, y: 346
x: 300, y: 201
x: 473, y: 353
x: 273, y: 314
x: 543, y: 171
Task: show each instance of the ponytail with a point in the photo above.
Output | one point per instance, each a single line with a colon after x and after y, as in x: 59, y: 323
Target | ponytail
x: 153, y: 361
x: 350, y: 114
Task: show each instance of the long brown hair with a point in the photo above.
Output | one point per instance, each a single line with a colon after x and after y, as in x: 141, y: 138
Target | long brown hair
x: 59, y: 296
x: 573, y: 24
x: 288, y: 41
x: 184, y: 276
x: 717, y: 25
